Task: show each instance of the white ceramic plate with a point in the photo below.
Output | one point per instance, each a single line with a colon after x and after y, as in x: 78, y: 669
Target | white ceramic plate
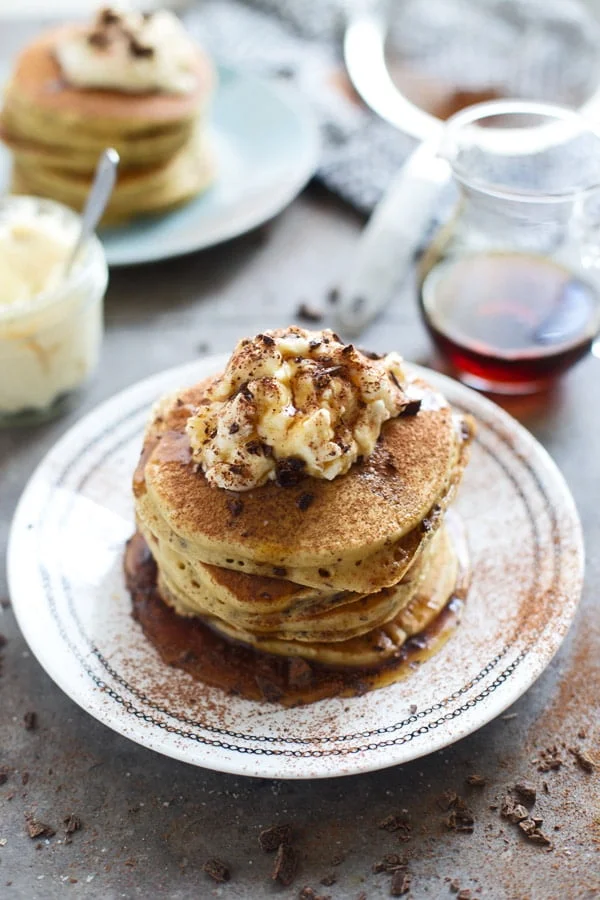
x: 66, y: 582
x: 266, y: 145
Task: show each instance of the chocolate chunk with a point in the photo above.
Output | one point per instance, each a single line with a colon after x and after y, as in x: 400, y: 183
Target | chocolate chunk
x: 389, y: 864
x: 476, y: 780
x: 72, y: 823
x: 235, y: 506
x: 309, y: 313
x: 324, y: 573
x: 98, y: 39
x: 266, y: 339
x: 314, y: 344
x: 246, y: 392
x: 411, y: 408
x: 400, y: 886
x: 139, y: 50
x: 30, y: 721
x: 300, y: 674
x: 464, y: 894
x: 304, y: 501
x: 271, y: 838
x: 234, y: 428
x: 328, y: 880
x: 585, y: 761
x: 396, y: 825
x: 36, y: 829
x: 216, y: 869
x: 286, y: 862
x: 461, y: 818
x: 108, y: 16
x: 289, y: 471
x: 254, y: 448
x: 307, y: 893
x: 526, y: 791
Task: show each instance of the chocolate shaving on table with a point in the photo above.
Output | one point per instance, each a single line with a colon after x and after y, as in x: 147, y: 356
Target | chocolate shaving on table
x: 584, y: 760
x: 307, y: 893
x: 217, y: 870
x: 36, y: 829
x: 476, y: 780
x: 72, y: 823
x: 390, y: 863
x: 401, y: 882
x: 271, y: 838
x: 30, y: 721
x: 286, y: 863
x: 526, y: 791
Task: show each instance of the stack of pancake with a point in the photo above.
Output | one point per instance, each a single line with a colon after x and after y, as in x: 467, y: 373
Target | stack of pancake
x: 340, y: 573
x: 57, y: 130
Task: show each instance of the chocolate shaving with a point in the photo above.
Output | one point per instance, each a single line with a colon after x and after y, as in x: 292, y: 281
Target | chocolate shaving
x: 72, y: 824
x: 235, y: 506
x: 584, y: 760
x: 289, y: 472
x: 307, y: 893
x: 266, y: 339
x: 526, y: 791
x: 216, y: 869
x: 390, y: 863
x: 36, y: 829
x: 139, y: 50
x: 271, y: 838
x: 234, y: 428
x: 108, y: 16
x: 328, y: 880
x: 314, y: 344
x: 309, y: 313
x: 400, y: 886
x: 286, y: 862
x: 304, y: 501
x: 396, y: 825
x: 98, y: 39
x: 30, y: 721
x: 411, y: 409
x: 461, y: 818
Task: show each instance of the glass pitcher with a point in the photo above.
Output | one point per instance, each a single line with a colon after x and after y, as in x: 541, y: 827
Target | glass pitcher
x: 509, y: 285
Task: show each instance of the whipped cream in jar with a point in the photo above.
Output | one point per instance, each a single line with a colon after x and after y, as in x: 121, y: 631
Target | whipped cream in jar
x: 51, y: 321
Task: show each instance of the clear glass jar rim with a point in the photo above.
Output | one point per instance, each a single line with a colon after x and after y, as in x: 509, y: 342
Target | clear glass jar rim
x: 499, y: 142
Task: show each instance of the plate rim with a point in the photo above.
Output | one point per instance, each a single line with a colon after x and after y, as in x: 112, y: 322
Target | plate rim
x: 276, y: 767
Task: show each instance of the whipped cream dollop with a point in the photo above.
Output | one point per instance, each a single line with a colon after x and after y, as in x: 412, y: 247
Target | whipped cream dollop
x: 292, y: 403
x: 131, y: 52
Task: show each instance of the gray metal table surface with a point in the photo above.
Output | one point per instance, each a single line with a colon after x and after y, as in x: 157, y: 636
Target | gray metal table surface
x: 149, y: 823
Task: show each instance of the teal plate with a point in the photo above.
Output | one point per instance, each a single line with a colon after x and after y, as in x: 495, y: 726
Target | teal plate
x: 265, y: 142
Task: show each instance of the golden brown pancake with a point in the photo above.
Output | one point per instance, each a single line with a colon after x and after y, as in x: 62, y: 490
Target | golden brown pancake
x: 360, y: 533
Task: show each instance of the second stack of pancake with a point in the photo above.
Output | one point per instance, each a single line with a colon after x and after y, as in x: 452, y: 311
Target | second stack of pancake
x: 57, y: 126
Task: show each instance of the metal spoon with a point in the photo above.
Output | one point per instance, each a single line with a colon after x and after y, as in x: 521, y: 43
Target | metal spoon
x: 95, y: 204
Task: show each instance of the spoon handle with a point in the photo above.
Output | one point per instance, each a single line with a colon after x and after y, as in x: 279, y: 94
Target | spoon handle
x: 100, y: 191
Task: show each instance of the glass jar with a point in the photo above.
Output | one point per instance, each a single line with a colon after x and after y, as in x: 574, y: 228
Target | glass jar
x: 510, y: 284
x: 50, y: 341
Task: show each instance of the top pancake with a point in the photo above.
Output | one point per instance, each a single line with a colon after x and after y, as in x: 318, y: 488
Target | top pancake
x: 37, y: 80
x: 369, y: 508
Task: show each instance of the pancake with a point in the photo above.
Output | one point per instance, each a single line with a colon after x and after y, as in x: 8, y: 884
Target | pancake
x: 373, y: 647
x: 137, y: 191
x: 361, y: 532
x: 37, y: 84
x: 57, y: 131
x: 289, y: 614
